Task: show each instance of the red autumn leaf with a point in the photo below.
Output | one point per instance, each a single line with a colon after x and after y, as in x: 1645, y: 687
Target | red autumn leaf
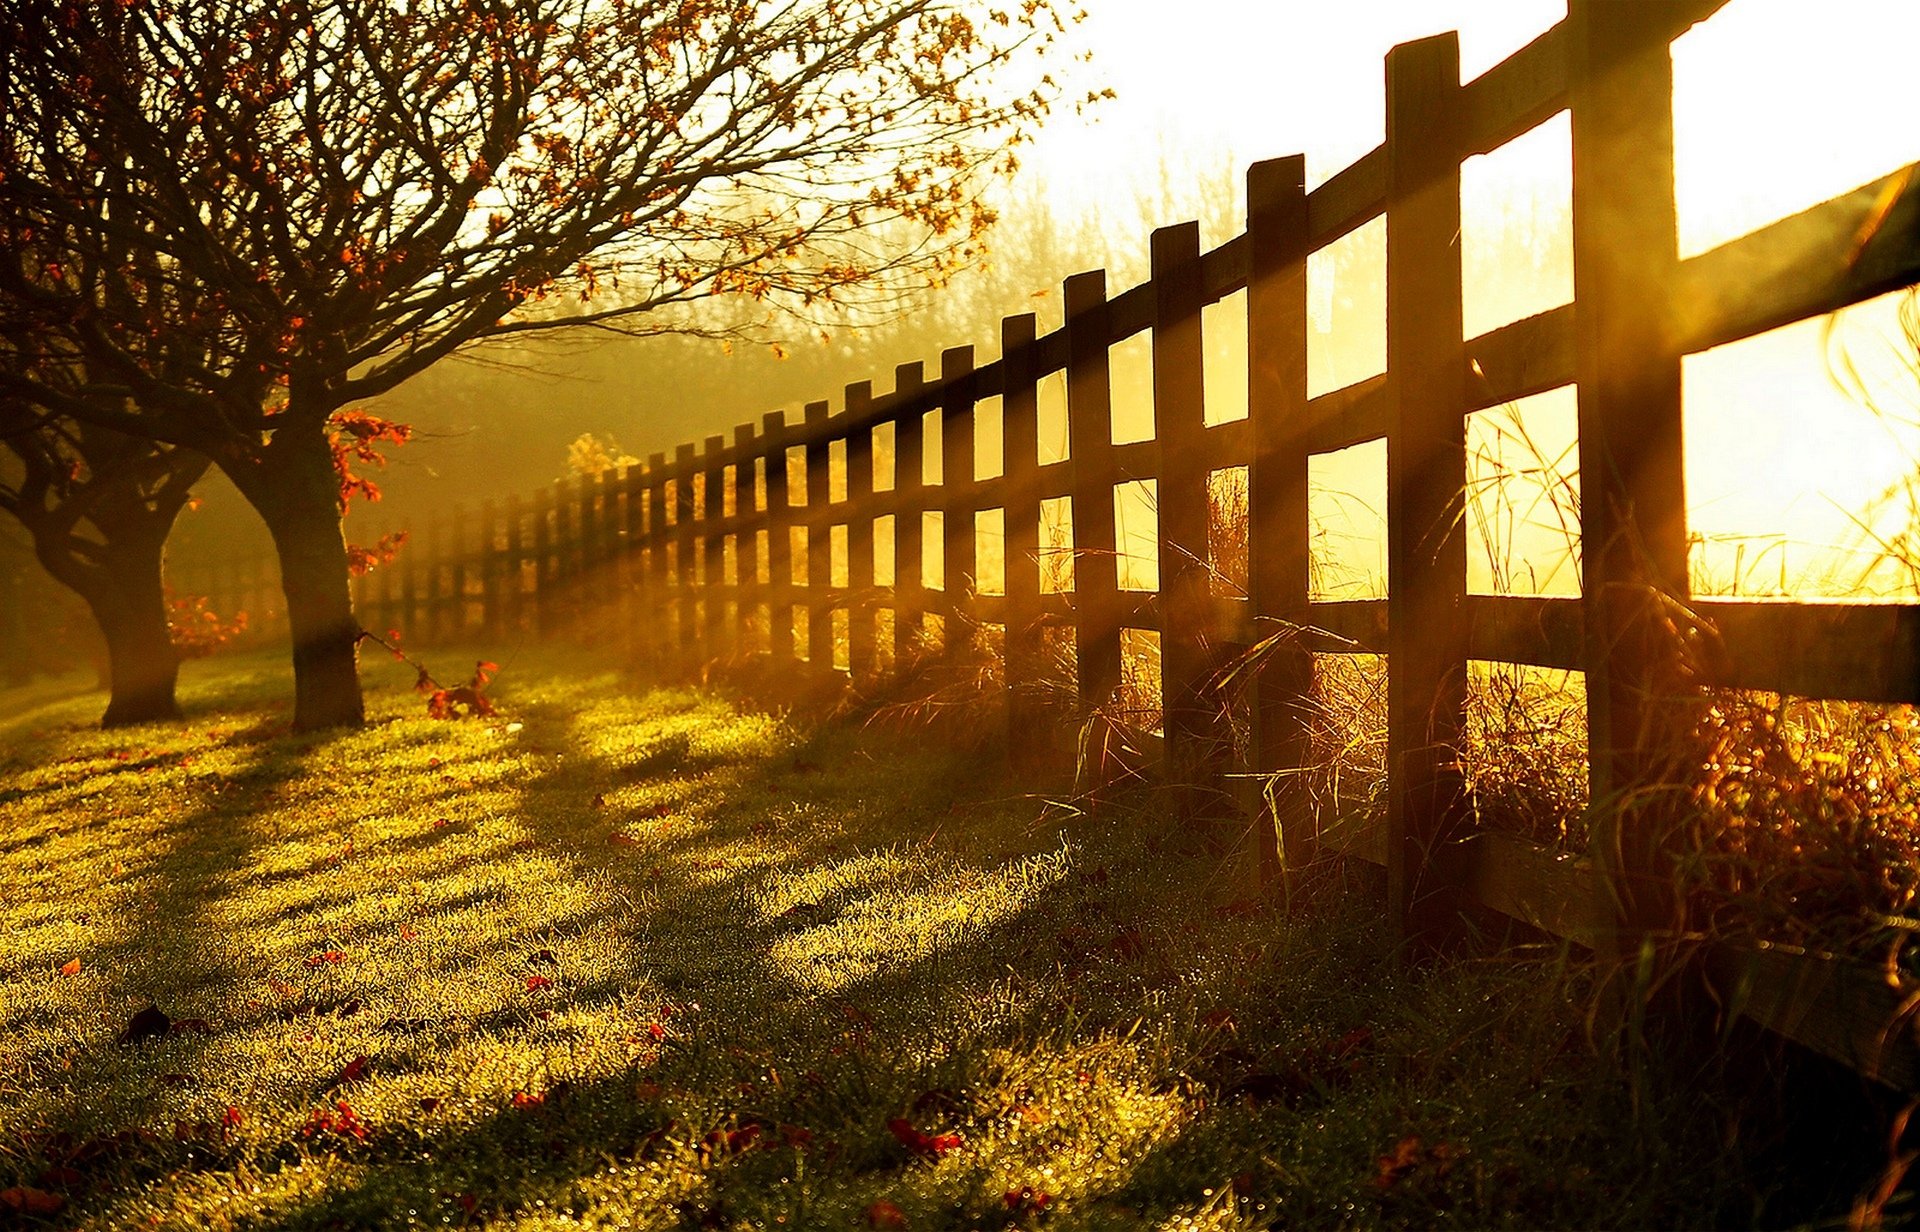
x: 324, y: 958
x: 1027, y: 1200
x: 354, y: 1071
x: 527, y: 1099
x: 28, y: 1201
x: 408, y: 932
x: 60, y: 1176
x: 232, y: 1117
x: 71, y: 968
x: 428, y: 1103
x: 884, y: 1214
x: 1391, y: 1168
x: 341, y: 1120
x: 796, y: 1137
x: 919, y: 1143
x: 656, y: 1031
x: 536, y: 982
x: 742, y: 1138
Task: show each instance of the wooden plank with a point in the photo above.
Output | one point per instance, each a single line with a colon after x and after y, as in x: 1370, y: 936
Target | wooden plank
x: 1351, y: 199
x: 1632, y: 477
x: 1853, y: 247
x: 909, y: 486
x: 956, y: 496
x: 1427, y: 809
x: 713, y: 606
x: 489, y: 565
x: 1868, y: 652
x: 1198, y: 748
x: 1556, y: 892
x: 1518, y: 360
x: 1348, y: 416
x: 659, y: 590
x: 1028, y: 741
x: 819, y: 540
x: 780, y: 598
x: 1521, y: 92
x: 1090, y: 445
x: 1278, y: 557
x: 860, y: 605
x: 746, y: 546
x: 1840, y: 1009
x: 685, y: 583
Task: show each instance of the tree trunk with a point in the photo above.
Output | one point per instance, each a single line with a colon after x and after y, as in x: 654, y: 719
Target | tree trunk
x: 131, y: 609
x: 297, y: 493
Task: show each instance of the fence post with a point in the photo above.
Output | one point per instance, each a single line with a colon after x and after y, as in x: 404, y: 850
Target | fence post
x: 746, y: 549
x: 773, y: 434
x: 1278, y: 560
x: 657, y: 597
x: 1096, y: 584
x: 909, y: 486
x: 1197, y: 757
x: 1027, y: 742
x: 860, y: 603
x: 956, y: 498
x: 819, y: 540
x: 713, y: 548
x: 684, y: 581
x: 514, y: 592
x: 489, y: 565
x: 1632, y: 477
x: 1426, y: 484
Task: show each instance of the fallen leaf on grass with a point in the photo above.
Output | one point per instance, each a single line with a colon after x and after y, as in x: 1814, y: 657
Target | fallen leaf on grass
x: 884, y: 1214
x: 60, y: 1176
x: 148, y: 1024
x: 1027, y: 1200
x: 324, y: 958
x: 29, y: 1201
x: 536, y: 982
x: 71, y: 968
x: 341, y: 1120
x: 919, y: 1143
x: 353, y: 1071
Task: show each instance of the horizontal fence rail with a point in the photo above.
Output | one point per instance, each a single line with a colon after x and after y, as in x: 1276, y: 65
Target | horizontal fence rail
x: 778, y: 539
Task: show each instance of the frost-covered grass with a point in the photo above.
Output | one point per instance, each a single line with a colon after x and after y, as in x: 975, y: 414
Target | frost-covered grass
x: 644, y: 957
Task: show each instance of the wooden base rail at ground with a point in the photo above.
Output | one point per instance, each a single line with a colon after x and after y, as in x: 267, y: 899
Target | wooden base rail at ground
x: 1841, y: 1009
x: 779, y: 540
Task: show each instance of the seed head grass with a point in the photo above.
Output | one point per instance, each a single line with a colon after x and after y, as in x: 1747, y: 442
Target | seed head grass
x: 639, y: 956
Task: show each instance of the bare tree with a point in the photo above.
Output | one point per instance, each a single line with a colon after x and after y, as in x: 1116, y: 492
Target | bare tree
x: 99, y: 505
x: 248, y: 215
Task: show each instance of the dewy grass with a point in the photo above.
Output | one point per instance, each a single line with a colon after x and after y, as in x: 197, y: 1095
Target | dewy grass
x: 639, y: 957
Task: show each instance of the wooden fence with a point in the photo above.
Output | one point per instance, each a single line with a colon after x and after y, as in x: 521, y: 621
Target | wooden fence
x: 697, y: 553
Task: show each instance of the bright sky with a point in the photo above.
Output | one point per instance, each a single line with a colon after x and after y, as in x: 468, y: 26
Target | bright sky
x: 1779, y: 104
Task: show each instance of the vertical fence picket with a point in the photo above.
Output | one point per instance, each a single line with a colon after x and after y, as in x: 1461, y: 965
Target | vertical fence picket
x: 773, y: 432
x: 1632, y: 477
x: 860, y: 604
x: 819, y: 540
x: 514, y: 584
x: 909, y: 487
x: 746, y: 549
x: 1196, y: 752
x: 959, y: 566
x: 1096, y: 598
x: 1426, y: 483
x: 658, y: 595
x: 713, y: 548
x: 1020, y: 464
x: 1278, y: 560
x: 684, y: 588
x: 491, y: 621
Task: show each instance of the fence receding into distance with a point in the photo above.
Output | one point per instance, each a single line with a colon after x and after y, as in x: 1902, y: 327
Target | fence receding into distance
x: 697, y: 552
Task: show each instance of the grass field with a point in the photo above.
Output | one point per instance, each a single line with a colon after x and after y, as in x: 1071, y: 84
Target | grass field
x: 644, y: 957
